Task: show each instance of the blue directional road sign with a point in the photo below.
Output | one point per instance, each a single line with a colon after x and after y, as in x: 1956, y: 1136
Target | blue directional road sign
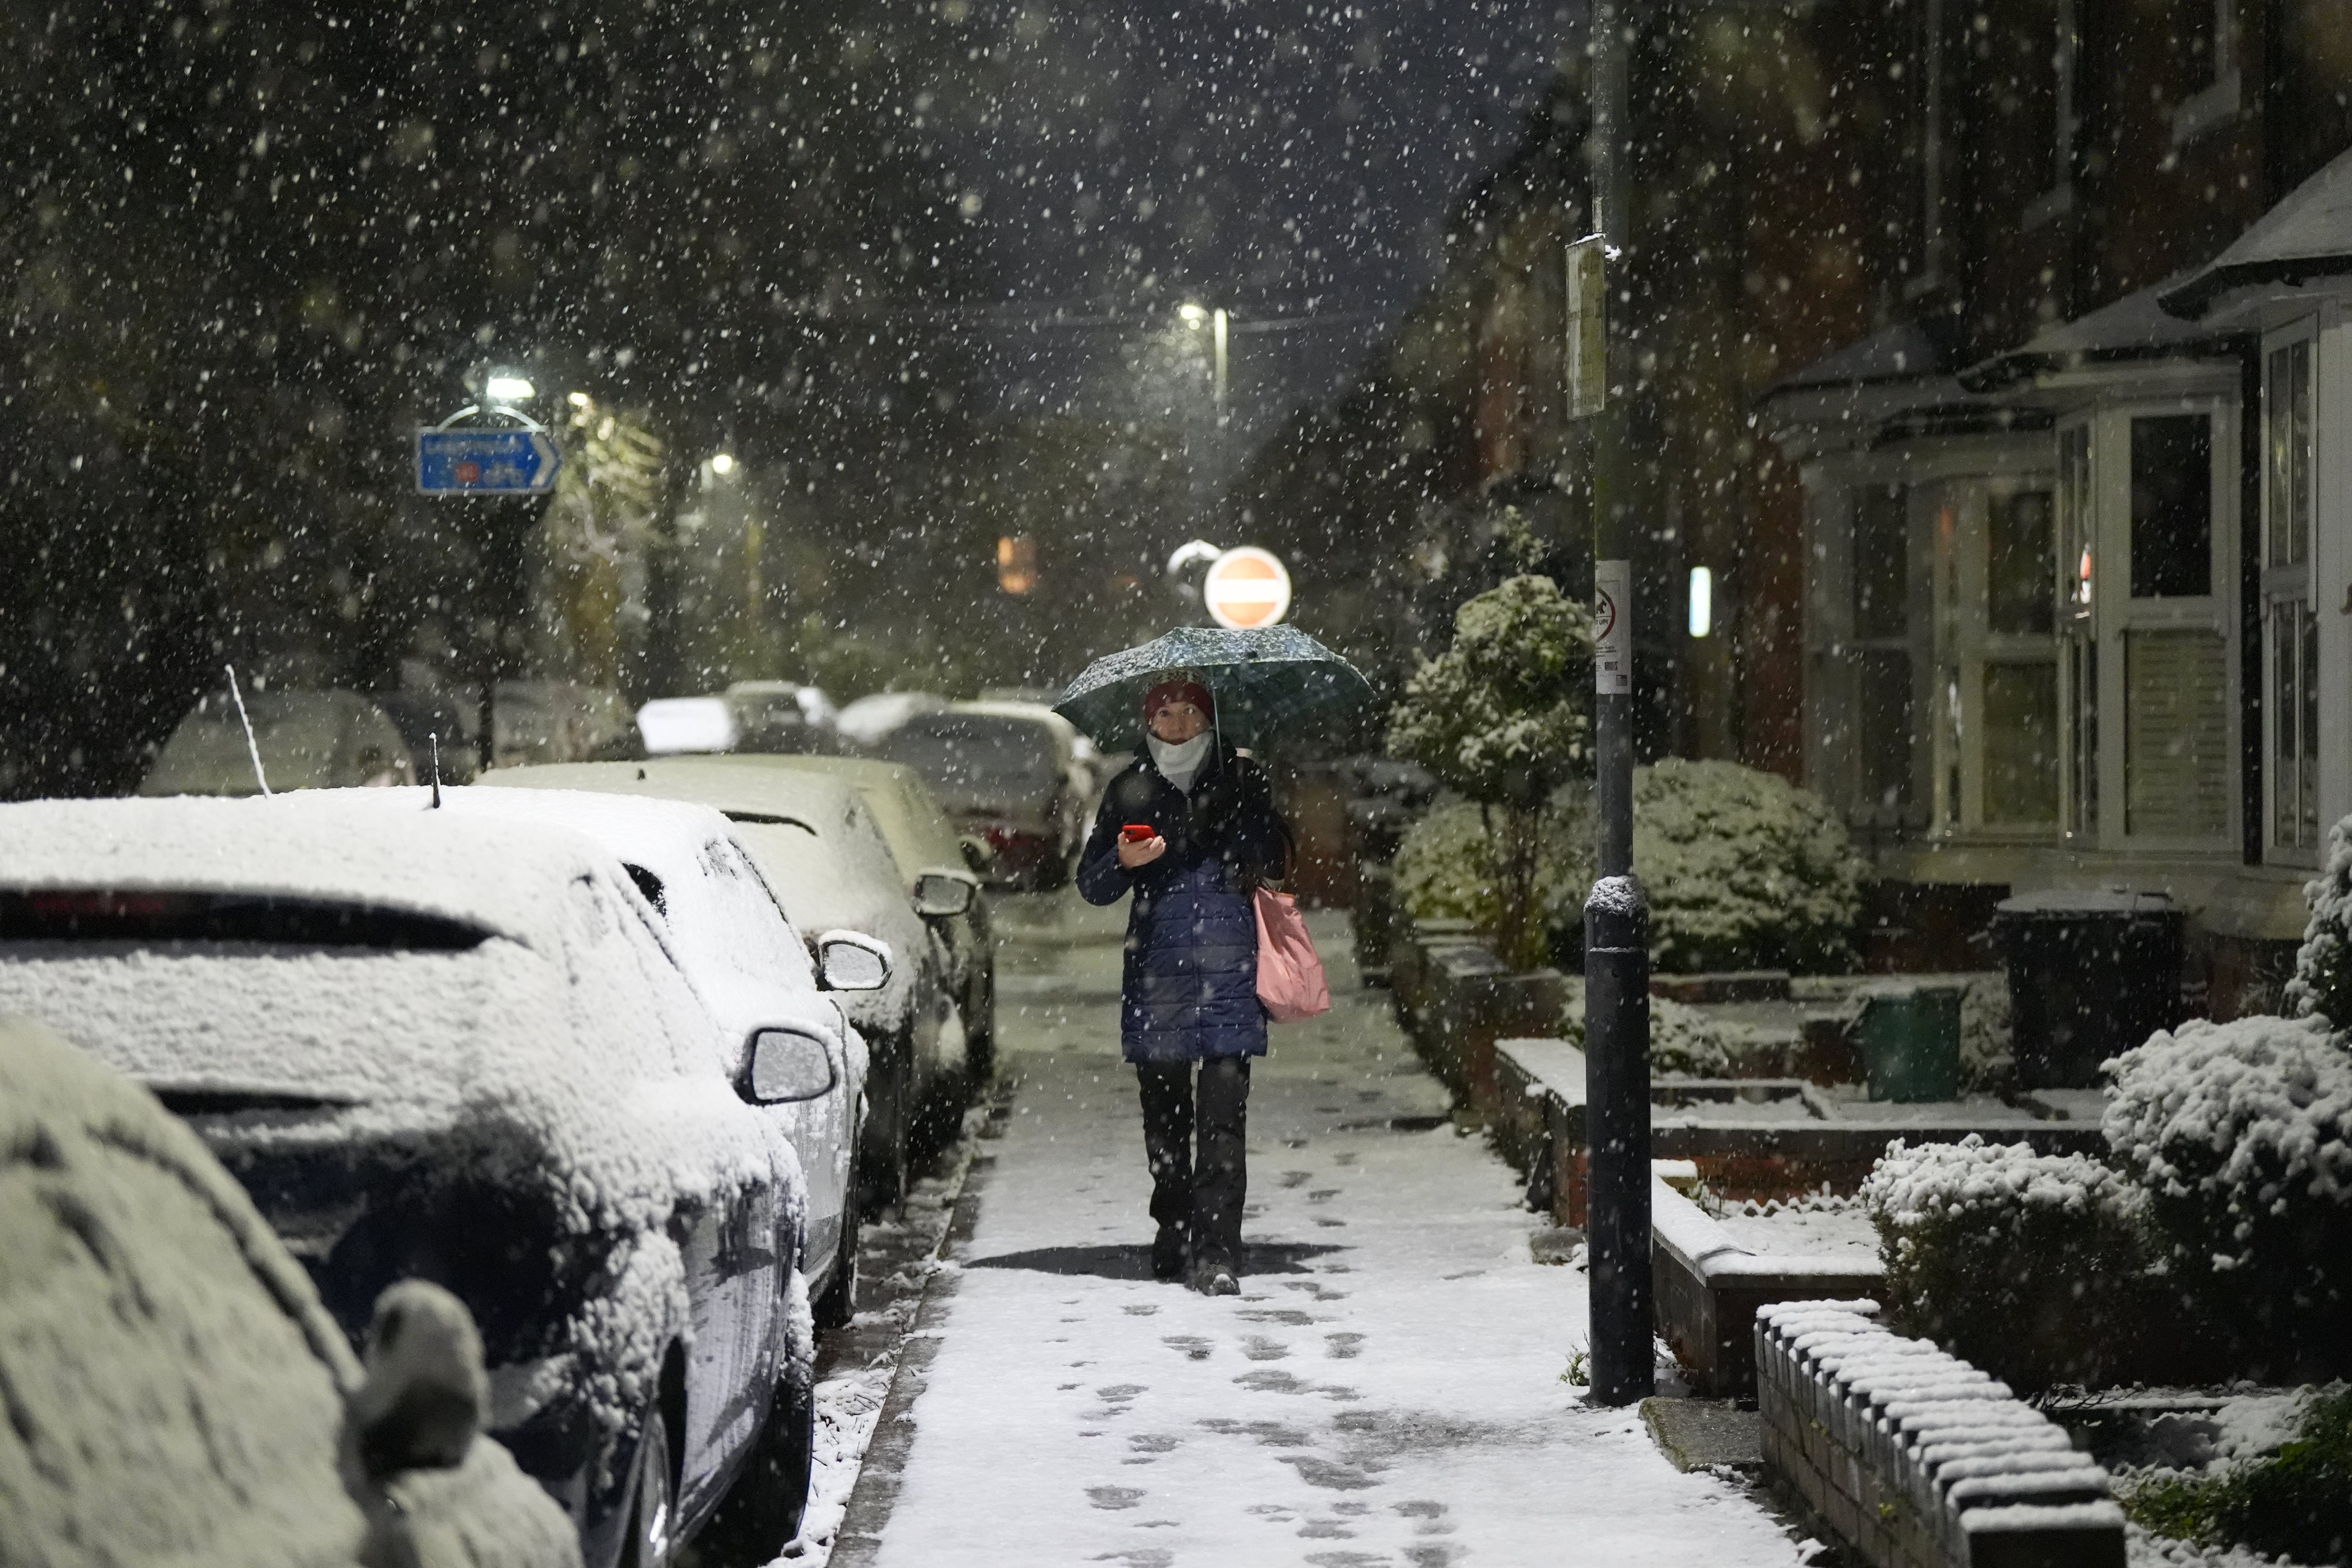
x: 486, y: 462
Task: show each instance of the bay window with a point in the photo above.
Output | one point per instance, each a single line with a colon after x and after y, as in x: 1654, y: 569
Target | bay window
x: 2290, y: 639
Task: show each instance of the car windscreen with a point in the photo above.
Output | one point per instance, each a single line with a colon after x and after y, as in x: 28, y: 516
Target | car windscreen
x: 969, y: 749
x: 109, y: 915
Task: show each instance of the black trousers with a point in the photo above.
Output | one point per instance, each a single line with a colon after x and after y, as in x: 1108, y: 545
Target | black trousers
x: 1202, y: 1196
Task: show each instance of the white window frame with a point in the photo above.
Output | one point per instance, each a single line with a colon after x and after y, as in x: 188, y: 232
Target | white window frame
x: 2114, y: 614
x: 2293, y: 823
x: 2219, y: 102
x: 1960, y: 524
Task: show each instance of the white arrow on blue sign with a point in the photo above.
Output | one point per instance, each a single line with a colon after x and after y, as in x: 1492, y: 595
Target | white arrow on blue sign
x: 486, y: 462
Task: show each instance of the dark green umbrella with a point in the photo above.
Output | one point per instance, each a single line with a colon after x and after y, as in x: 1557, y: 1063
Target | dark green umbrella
x: 1267, y: 680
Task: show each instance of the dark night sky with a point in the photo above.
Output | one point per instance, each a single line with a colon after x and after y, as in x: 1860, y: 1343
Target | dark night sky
x: 1284, y: 158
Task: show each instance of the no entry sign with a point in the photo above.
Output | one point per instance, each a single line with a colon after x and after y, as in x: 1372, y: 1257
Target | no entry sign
x: 1247, y: 587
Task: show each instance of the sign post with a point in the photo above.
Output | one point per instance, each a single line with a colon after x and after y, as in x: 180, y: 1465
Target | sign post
x: 1616, y: 914
x: 486, y: 462
x: 1246, y: 587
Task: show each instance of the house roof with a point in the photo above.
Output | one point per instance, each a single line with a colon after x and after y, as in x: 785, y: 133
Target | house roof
x: 2307, y: 236
x: 2136, y: 327
x: 1903, y: 352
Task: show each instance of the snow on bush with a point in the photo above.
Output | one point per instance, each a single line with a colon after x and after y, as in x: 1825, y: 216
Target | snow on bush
x: 2242, y: 1133
x: 1684, y: 1041
x: 2323, y: 965
x: 2031, y: 1266
x: 1744, y: 869
x: 1448, y: 865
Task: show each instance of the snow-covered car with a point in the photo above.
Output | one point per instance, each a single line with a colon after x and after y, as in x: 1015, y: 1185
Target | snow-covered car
x: 735, y: 943
x: 782, y: 716
x: 931, y: 859
x: 1008, y: 775
x: 818, y: 847
x: 177, y: 1392
x: 438, y: 1045
x: 305, y: 740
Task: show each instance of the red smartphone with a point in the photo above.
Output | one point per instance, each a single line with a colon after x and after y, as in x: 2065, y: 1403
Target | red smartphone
x: 1138, y: 833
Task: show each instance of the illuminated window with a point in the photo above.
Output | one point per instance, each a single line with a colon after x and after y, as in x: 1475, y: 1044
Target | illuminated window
x: 1016, y: 563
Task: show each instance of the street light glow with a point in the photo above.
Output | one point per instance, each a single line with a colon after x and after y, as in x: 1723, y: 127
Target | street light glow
x: 722, y: 463
x: 1702, y: 601
x: 577, y: 399
x: 1194, y: 314
x: 508, y: 389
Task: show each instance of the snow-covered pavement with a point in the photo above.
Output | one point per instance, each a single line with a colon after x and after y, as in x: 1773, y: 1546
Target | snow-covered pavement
x: 1387, y: 1389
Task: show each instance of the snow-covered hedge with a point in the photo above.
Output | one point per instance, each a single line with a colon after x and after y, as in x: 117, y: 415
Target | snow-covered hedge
x: 1685, y: 1042
x: 2323, y: 966
x: 2031, y: 1266
x: 1744, y: 869
x: 1448, y: 865
x: 2242, y: 1134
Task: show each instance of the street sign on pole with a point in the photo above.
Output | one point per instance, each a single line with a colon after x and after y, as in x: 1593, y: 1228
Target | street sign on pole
x: 1246, y: 587
x: 486, y: 462
x: 1588, y: 327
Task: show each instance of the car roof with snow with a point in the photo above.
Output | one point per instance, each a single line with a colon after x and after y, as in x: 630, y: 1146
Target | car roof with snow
x: 381, y: 848
x: 911, y: 820
x: 814, y: 839
x: 732, y: 933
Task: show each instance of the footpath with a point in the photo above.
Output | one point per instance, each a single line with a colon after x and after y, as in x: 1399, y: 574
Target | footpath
x: 1389, y: 1388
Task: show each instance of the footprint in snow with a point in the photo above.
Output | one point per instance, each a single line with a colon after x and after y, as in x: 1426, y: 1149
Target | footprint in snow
x: 1329, y: 1224
x: 1296, y: 1178
x: 1347, y: 1157
x: 1432, y: 1555
x: 1153, y: 1443
x: 1143, y: 1311
x: 1346, y: 1559
x: 1119, y: 1392
x: 1140, y: 1557
x: 1272, y: 1381
x: 1194, y: 1347
x: 1343, y: 1346
x: 1332, y: 1477
x: 1323, y: 1194
x: 1326, y: 1529
x: 1257, y: 1347
x: 1290, y: 1317
x: 1431, y: 1514
x: 1270, y: 1434
x: 1114, y: 1497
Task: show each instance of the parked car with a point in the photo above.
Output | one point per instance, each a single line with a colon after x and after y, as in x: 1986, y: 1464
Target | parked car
x: 864, y: 723
x: 734, y: 942
x: 782, y: 716
x: 1008, y: 774
x: 186, y: 1366
x: 929, y: 854
x: 818, y: 846
x: 438, y: 1046
x: 429, y: 719
x: 305, y: 740
x: 560, y: 721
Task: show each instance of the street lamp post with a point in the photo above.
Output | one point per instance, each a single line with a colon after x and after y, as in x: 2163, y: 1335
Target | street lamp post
x: 1616, y: 915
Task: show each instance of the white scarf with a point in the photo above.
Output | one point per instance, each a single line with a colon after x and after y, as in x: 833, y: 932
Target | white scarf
x: 1179, y: 762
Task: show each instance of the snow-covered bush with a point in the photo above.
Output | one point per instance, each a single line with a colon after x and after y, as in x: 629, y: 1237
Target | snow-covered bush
x: 2296, y: 1502
x: 1744, y: 870
x: 2031, y: 1266
x: 2323, y: 965
x: 2242, y: 1134
x: 1448, y: 865
x: 1685, y: 1042
x: 1504, y: 718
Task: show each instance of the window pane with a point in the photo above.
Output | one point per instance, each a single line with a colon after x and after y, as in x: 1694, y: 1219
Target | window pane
x: 2299, y: 452
x: 2171, y: 507
x: 2081, y: 657
x: 2176, y: 735
x: 1882, y: 575
x: 1882, y: 709
x: 2020, y: 736
x: 2020, y: 563
x: 2285, y: 717
x: 2074, y: 521
x: 2286, y: 455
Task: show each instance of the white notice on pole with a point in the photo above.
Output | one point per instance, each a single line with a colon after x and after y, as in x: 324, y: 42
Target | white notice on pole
x: 1613, y: 627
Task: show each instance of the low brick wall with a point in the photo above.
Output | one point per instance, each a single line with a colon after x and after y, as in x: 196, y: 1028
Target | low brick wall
x: 1916, y: 1458
x: 1706, y: 1290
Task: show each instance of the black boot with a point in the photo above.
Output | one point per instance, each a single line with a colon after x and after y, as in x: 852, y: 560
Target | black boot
x: 1168, y: 1254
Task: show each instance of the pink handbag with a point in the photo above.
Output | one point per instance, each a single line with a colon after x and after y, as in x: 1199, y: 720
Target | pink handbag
x: 1290, y: 982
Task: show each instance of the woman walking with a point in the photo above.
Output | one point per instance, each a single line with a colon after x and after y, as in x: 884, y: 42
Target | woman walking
x: 1190, y: 829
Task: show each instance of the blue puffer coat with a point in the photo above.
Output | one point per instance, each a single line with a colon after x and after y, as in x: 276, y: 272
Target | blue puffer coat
x: 1190, y: 987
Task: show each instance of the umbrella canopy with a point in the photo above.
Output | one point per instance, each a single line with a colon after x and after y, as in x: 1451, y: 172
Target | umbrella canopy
x: 1266, y: 679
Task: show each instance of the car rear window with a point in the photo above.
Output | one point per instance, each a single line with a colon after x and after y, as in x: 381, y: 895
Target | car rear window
x: 110, y: 915
x: 957, y: 747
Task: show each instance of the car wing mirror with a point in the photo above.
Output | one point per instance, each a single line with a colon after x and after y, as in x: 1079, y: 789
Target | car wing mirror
x: 942, y: 893
x: 852, y: 961
x: 786, y: 1065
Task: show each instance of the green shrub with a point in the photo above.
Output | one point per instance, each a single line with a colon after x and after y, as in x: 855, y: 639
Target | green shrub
x: 2242, y: 1134
x: 1504, y: 716
x: 1448, y: 865
x: 1685, y: 1042
x: 2323, y: 965
x: 2296, y: 1503
x: 2033, y: 1267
